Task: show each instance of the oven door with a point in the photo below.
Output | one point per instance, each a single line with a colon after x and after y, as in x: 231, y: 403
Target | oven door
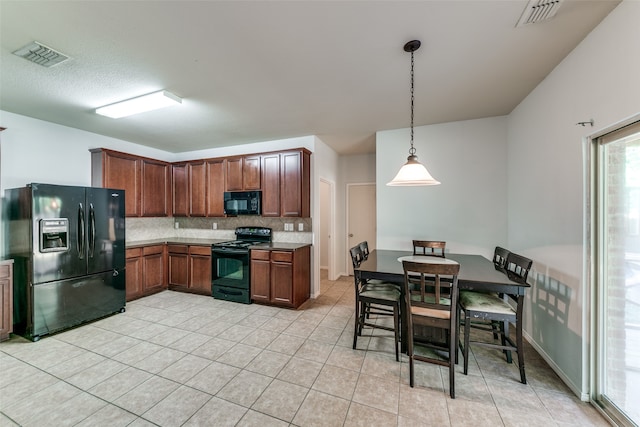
x: 230, y: 268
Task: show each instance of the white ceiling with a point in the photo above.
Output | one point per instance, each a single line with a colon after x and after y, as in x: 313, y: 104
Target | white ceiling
x: 251, y: 71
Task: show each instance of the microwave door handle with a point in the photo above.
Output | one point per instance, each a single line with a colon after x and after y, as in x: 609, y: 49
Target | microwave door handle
x: 80, y: 233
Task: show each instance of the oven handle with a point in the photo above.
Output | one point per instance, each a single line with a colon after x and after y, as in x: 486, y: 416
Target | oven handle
x: 230, y: 251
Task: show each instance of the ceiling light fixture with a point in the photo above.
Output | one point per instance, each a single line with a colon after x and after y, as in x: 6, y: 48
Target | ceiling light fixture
x: 151, y: 101
x: 412, y: 173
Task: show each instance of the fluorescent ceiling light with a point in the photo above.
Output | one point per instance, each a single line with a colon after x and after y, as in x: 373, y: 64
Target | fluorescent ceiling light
x: 151, y: 101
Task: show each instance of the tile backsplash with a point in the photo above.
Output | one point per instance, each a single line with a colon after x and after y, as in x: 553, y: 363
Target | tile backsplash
x: 284, y: 229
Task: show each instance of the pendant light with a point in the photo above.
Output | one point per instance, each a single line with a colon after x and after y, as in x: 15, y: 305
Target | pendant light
x: 412, y: 173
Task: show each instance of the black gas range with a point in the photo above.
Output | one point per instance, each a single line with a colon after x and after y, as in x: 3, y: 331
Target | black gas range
x: 230, y: 266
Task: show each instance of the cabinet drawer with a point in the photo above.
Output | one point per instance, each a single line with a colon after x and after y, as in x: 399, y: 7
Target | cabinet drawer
x: 200, y: 250
x: 260, y: 254
x: 133, y: 253
x: 178, y: 249
x: 151, y: 250
x: 279, y: 256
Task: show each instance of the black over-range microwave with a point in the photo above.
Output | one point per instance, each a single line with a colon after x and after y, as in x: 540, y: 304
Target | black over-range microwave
x: 242, y: 202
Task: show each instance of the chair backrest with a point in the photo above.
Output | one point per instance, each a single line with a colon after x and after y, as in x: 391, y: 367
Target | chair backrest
x: 429, y: 247
x: 356, y: 256
x: 518, y: 267
x: 500, y: 258
x: 434, y: 297
x: 364, y: 247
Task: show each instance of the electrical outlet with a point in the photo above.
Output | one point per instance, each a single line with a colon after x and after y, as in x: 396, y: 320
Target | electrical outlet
x: 215, y: 225
x: 176, y: 225
x: 301, y: 227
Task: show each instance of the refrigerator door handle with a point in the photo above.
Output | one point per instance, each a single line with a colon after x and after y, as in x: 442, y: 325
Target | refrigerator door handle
x: 80, y: 239
x: 92, y: 230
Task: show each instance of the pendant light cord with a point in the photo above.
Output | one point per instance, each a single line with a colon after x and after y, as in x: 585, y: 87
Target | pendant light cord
x: 412, y: 150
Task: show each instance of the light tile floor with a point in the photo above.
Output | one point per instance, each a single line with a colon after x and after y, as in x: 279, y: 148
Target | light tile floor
x: 176, y: 359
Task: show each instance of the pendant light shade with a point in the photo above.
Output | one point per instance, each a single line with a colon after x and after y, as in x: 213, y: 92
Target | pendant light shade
x: 413, y: 173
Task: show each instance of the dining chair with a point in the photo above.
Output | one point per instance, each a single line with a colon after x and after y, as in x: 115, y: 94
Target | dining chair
x: 495, y: 309
x: 364, y: 247
x: 500, y: 258
x: 429, y: 247
x: 432, y: 305
x: 379, y: 298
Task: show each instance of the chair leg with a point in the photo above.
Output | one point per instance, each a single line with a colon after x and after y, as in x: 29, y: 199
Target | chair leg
x: 467, y: 331
x: 520, y: 347
x: 356, y: 324
x: 453, y: 355
x: 396, y: 329
x: 504, y: 331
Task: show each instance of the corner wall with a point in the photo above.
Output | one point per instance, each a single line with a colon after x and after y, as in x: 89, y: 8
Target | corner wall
x: 547, y: 213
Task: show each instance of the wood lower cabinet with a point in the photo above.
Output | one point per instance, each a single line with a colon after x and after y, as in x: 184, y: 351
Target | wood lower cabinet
x: 146, y: 271
x: 190, y: 268
x: 6, y: 299
x: 281, y: 277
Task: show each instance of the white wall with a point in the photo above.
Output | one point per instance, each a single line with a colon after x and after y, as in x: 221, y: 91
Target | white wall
x: 353, y: 169
x: 469, y: 209
x: 599, y: 80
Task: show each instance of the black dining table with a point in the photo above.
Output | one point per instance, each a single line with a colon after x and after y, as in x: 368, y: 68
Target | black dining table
x: 476, y: 273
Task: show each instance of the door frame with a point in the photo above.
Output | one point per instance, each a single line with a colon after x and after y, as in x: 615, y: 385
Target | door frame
x: 331, y: 272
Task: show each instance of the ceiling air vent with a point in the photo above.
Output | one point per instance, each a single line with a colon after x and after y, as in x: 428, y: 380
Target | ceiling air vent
x: 539, y: 10
x: 40, y: 54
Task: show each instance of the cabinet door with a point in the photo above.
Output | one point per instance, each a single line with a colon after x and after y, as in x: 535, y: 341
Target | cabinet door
x: 133, y: 274
x: 178, y: 265
x: 197, y: 189
x: 180, y: 186
x: 124, y: 172
x: 290, y: 184
x: 271, y: 185
x: 153, y: 268
x: 234, y: 174
x: 215, y: 187
x: 282, y: 283
x: 200, y: 269
x: 260, y: 276
x: 155, y: 188
x: 6, y: 301
x: 251, y: 172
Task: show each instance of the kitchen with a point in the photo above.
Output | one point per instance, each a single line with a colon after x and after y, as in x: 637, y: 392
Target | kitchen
x: 552, y: 182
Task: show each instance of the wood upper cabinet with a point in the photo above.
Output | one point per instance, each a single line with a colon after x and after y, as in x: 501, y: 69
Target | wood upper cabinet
x: 146, y: 182
x: 243, y: 173
x: 112, y: 169
x: 156, y: 188
x: 215, y: 187
x: 189, y: 189
x: 251, y: 172
x: 180, y: 189
x: 271, y: 185
x: 197, y: 188
x: 286, y: 184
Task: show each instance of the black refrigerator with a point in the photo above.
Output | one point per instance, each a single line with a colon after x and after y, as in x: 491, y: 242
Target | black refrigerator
x: 68, y: 246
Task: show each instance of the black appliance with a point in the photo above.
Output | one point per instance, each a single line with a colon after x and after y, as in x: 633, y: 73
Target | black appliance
x: 242, y: 202
x: 230, y: 266
x: 68, y: 246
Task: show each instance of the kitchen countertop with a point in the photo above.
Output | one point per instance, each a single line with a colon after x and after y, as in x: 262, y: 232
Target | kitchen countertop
x: 209, y: 242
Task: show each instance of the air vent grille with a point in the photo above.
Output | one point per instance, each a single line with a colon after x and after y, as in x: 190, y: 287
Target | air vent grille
x: 40, y: 54
x: 539, y: 10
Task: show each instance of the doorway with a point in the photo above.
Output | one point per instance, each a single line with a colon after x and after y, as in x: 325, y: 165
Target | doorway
x: 327, y: 229
x: 616, y: 254
x: 361, y: 217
